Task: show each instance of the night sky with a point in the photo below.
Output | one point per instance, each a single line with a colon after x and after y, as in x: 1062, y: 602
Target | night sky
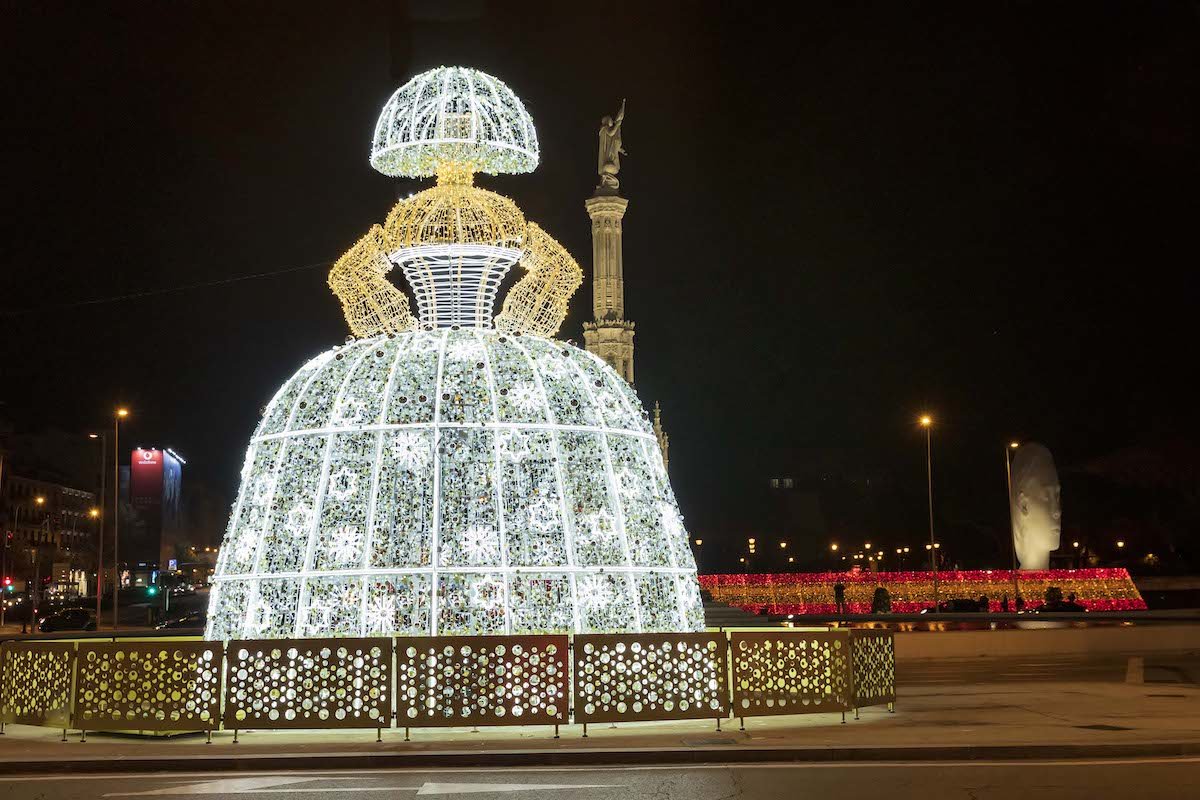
x: 840, y: 215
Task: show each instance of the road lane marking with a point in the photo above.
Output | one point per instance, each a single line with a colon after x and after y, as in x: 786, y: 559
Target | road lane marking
x: 470, y: 788
x: 223, y: 786
x: 329, y: 774
x: 277, y: 784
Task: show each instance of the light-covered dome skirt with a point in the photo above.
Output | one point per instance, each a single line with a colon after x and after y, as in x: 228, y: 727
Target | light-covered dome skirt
x: 454, y: 482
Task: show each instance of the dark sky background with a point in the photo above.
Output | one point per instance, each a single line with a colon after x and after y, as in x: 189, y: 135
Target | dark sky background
x: 841, y: 214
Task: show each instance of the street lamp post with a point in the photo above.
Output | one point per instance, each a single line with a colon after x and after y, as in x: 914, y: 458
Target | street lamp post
x: 33, y: 587
x: 1011, y: 541
x: 103, y: 439
x: 927, y: 423
x: 121, y: 414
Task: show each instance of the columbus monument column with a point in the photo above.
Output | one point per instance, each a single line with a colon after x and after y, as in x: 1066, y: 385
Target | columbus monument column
x: 609, y: 335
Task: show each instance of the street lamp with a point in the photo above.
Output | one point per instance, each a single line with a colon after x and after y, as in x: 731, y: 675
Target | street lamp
x: 833, y: 547
x: 121, y: 414
x: 103, y: 440
x: 926, y: 422
x: 1011, y: 541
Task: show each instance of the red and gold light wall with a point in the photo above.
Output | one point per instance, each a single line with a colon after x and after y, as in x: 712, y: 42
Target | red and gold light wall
x: 812, y: 592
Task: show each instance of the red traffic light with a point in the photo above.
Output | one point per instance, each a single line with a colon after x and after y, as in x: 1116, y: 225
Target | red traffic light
x: 7, y: 581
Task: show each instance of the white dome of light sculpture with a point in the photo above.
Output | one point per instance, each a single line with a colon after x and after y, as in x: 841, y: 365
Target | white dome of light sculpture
x: 454, y: 472
x: 456, y: 114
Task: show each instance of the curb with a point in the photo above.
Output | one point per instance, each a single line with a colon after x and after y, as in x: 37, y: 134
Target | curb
x: 590, y: 757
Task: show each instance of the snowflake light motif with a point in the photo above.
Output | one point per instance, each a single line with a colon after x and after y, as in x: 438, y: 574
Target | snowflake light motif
x: 553, y: 364
x: 345, y: 544
x: 598, y: 528
x: 514, y: 445
x: 627, y: 484
x: 243, y: 549
x: 264, y: 487
x: 381, y: 614
x: 479, y: 544
x: 350, y: 411
x: 672, y: 524
x: 410, y: 450
x: 526, y: 396
x: 343, y: 484
x: 594, y: 592
x: 543, y: 515
x: 259, y: 618
x: 299, y: 520
x: 465, y: 350
x: 488, y: 594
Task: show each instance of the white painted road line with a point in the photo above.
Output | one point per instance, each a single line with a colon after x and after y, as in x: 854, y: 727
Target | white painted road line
x: 278, y: 784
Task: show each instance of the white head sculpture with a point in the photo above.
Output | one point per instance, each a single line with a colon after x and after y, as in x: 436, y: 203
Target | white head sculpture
x: 1036, y: 505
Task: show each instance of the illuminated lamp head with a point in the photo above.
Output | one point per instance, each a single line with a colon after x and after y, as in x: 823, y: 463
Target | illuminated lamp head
x: 1035, y: 505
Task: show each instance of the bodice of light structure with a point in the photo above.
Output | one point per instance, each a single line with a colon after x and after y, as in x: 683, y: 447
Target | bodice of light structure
x: 454, y: 473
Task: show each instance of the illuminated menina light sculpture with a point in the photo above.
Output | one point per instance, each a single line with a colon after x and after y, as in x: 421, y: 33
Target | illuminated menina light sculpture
x: 454, y: 472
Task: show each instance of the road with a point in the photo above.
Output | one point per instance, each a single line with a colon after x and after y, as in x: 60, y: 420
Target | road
x: 1157, y: 669
x: 1128, y: 779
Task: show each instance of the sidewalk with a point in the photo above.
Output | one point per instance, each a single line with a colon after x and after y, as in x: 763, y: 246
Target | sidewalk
x: 1041, y: 721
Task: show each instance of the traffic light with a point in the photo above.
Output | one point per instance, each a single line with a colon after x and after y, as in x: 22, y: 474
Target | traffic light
x: 151, y: 591
x: 8, y: 584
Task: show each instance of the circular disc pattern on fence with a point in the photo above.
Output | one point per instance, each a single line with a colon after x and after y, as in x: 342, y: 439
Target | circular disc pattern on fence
x: 482, y: 680
x: 650, y: 677
x: 317, y: 683
x: 776, y: 673
x: 149, y: 686
x: 874, y: 668
x: 36, y: 683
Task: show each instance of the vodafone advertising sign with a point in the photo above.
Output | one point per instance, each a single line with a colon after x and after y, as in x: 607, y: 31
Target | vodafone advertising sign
x: 146, y: 478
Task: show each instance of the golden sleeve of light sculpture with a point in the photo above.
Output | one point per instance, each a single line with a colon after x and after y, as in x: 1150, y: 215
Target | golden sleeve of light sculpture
x: 538, y: 302
x: 372, y: 304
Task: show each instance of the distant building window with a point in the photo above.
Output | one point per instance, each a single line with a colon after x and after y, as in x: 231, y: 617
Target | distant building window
x: 782, y: 483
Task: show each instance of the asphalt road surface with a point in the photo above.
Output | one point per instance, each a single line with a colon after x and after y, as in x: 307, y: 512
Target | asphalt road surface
x: 1157, y: 669
x: 1129, y: 779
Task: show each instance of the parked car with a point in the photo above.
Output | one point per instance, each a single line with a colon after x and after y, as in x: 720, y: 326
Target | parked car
x: 70, y: 619
x: 957, y: 605
x: 196, y: 619
x: 1060, y: 607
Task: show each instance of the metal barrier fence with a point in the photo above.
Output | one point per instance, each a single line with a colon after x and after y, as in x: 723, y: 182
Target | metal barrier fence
x: 481, y: 680
x: 791, y: 673
x: 428, y: 681
x: 308, y: 683
x: 873, y: 667
x: 148, y: 686
x: 647, y: 676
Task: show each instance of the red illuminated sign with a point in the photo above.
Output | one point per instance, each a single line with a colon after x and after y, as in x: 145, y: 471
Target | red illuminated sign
x: 146, y: 478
